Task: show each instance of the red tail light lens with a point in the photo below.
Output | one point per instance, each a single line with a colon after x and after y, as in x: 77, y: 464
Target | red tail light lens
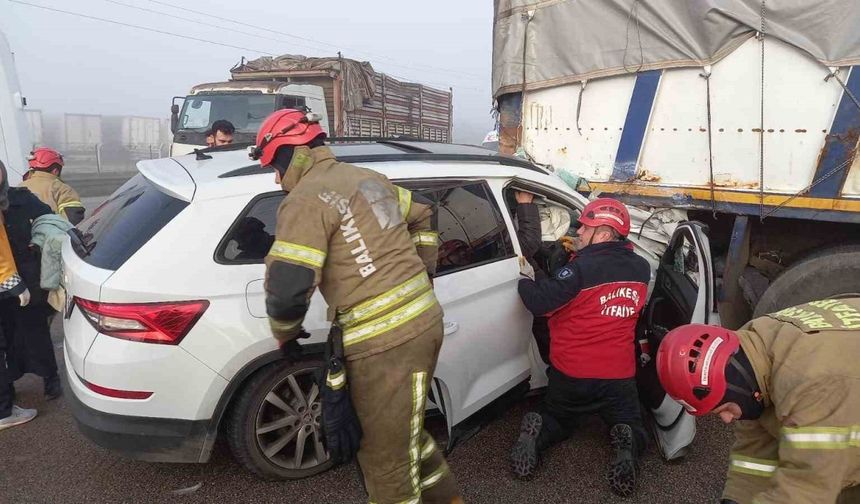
x: 164, y: 323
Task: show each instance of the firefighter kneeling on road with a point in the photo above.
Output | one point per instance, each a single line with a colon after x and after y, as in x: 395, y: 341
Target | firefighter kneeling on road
x: 370, y: 248
x: 43, y: 180
x: 593, y: 304
x: 793, y: 381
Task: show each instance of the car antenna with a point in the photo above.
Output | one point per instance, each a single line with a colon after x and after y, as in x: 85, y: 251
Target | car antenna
x: 201, y: 155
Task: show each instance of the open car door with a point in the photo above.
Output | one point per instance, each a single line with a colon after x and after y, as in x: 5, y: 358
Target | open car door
x: 683, y: 294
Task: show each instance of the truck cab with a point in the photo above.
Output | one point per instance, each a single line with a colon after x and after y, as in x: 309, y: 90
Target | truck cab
x: 14, y: 144
x: 244, y: 103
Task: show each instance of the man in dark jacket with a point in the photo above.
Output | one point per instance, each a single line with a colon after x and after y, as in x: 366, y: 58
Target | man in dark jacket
x: 26, y: 327
x: 592, y: 304
x: 11, y: 287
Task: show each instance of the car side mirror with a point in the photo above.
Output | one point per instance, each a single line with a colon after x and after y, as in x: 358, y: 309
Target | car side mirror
x: 174, y: 118
x: 174, y: 114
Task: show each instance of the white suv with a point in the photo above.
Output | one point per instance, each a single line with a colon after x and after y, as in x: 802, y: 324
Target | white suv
x: 166, y: 338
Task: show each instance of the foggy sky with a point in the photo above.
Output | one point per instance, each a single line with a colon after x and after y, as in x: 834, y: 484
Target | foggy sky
x: 75, y: 65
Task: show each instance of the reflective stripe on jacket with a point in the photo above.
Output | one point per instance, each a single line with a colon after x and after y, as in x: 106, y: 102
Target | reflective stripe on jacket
x: 11, y: 283
x: 369, y: 246
x: 805, y: 448
x: 53, y: 192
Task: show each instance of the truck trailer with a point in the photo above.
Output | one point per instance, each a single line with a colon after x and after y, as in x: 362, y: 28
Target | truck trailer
x: 742, y: 114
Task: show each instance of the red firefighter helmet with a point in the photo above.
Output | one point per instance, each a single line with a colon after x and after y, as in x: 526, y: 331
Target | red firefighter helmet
x: 606, y: 212
x: 691, y: 365
x: 285, y: 127
x: 44, y: 158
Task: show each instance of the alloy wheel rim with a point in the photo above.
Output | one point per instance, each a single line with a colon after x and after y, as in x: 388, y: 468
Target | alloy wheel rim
x: 288, y: 423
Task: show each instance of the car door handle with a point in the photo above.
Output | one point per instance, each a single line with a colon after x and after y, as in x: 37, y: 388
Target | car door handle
x: 450, y: 328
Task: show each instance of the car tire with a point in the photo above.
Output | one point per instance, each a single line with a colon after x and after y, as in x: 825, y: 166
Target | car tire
x: 275, y: 414
x: 820, y: 275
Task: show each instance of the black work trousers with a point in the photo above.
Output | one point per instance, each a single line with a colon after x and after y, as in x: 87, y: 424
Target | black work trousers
x: 568, y: 399
x: 28, y: 339
x: 5, y: 381
x: 540, y: 329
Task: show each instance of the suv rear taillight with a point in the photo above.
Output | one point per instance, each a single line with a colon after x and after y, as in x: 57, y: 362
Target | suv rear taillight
x: 164, y: 323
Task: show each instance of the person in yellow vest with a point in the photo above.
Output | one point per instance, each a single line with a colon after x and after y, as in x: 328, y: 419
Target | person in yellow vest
x: 43, y: 180
x: 11, y: 285
x: 791, y: 381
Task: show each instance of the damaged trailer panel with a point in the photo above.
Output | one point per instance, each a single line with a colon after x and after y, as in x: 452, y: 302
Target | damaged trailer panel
x: 707, y: 137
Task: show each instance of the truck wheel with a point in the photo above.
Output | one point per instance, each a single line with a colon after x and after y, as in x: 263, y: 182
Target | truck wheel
x: 822, y: 274
x: 274, y: 428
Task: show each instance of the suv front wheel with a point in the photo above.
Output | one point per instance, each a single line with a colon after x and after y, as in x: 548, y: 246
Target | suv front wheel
x: 274, y: 428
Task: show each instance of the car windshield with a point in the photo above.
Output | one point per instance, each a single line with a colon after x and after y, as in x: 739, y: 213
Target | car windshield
x: 245, y: 110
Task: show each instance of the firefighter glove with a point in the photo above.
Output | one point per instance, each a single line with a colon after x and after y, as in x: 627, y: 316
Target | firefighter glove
x: 526, y: 269
x: 291, y: 350
x: 340, y: 423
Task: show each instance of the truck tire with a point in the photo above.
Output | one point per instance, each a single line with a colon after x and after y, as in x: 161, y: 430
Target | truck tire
x: 824, y: 273
x: 276, y: 415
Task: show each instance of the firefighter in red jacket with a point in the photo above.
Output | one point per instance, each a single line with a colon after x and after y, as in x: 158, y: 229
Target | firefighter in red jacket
x: 593, y: 304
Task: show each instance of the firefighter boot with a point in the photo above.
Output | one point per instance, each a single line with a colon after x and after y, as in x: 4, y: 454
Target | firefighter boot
x: 524, y: 456
x: 622, y: 470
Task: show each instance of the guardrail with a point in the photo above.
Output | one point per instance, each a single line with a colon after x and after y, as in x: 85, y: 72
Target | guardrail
x: 108, y: 158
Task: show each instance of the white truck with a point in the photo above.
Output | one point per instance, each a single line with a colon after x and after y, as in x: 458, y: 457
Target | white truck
x: 740, y: 114
x: 354, y: 100
x: 245, y: 104
x: 14, y: 139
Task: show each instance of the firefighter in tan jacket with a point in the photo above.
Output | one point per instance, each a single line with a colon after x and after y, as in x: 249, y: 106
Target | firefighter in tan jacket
x: 43, y: 180
x: 792, y: 380
x: 369, y: 246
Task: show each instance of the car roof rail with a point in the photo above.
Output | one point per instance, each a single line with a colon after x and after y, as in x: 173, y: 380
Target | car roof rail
x: 223, y: 148
x: 396, y: 142
x: 400, y: 143
x: 256, y: 169
x: 379, y: 139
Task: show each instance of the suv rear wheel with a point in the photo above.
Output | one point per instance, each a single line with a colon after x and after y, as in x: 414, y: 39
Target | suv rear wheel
x: 275, y: 428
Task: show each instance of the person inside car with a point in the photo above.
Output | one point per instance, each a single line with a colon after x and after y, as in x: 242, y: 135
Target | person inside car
x: 252, y: 240
x: 454, y: 254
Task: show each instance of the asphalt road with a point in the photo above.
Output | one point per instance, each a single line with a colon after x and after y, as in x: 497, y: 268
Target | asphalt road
x: 49, y: 461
